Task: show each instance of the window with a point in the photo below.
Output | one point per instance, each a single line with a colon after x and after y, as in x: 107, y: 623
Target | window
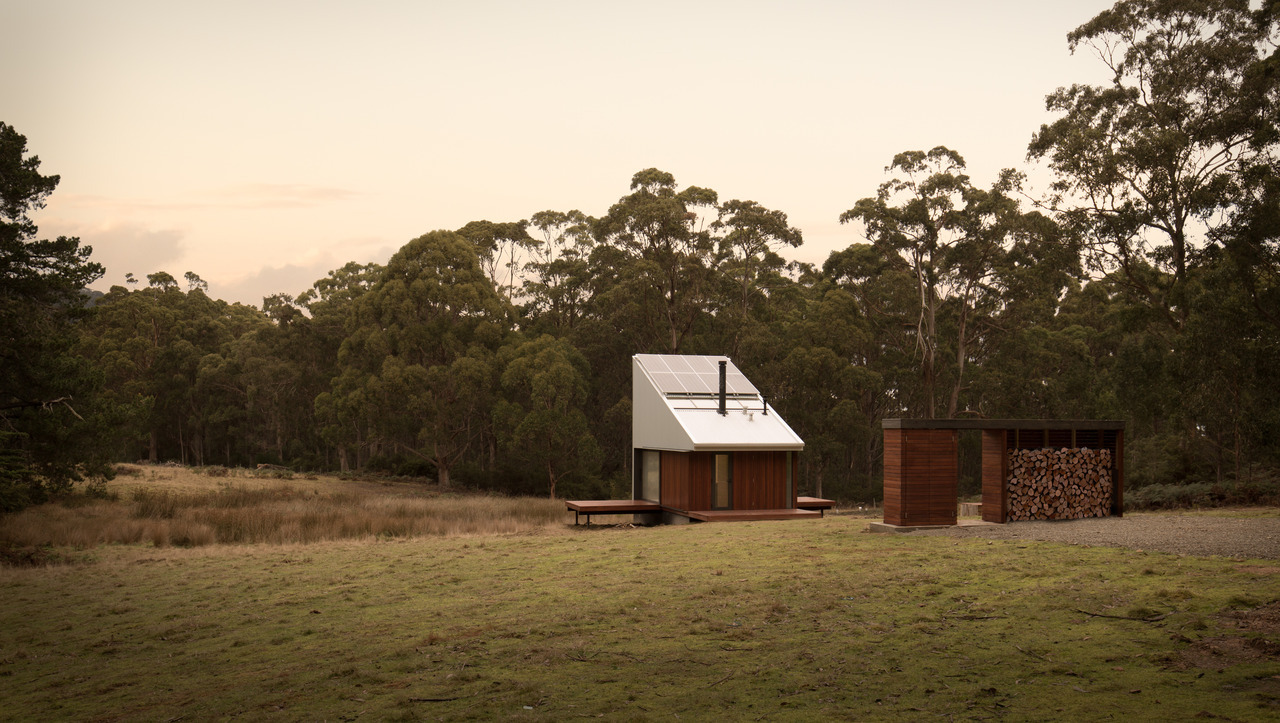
x: 651, y: 479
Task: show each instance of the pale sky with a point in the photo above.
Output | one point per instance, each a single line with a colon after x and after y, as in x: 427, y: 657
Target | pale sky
x: 261, y: 144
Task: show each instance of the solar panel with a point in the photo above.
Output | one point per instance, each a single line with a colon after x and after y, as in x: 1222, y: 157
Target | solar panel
x: 679, y: 374
x: 676, y: 363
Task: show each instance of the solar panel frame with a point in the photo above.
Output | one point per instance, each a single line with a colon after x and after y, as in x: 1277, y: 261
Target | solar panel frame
x: 695, y: 375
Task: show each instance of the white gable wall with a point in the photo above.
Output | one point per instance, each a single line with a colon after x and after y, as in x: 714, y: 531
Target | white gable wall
x: 653, y: 421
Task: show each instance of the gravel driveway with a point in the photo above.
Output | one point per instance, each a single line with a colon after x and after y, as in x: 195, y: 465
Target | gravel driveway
x: 1181, y: 534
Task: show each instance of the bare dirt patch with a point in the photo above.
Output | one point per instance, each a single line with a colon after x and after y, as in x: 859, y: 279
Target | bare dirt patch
x: 1252, y: 537
x: 1257, y: 643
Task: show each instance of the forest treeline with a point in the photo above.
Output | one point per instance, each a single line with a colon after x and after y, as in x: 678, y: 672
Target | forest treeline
x: 1142, y: 285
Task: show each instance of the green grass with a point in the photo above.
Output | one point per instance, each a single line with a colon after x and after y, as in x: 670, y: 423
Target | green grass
x: 774, y: 620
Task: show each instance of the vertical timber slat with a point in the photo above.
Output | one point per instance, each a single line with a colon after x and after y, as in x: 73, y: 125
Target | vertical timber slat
x: 995, y: 475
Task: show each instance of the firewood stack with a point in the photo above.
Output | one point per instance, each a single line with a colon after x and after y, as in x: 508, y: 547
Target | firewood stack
x: 1059, y: 484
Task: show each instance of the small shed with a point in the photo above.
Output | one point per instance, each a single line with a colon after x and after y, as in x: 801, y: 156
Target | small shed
x: 1045, y: 469
x: 707, y: 445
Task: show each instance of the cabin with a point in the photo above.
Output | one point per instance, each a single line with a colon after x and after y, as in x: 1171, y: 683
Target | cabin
x: 707, y: 446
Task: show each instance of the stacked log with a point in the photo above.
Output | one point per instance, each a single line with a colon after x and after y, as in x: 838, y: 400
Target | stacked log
x: 1059, y: 484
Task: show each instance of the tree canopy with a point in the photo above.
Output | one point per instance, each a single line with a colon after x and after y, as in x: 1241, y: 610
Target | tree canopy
x: 47, y: 435
x: 1144, y: 285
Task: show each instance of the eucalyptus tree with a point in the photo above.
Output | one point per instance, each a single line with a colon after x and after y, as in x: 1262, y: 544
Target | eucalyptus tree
x: 1145, y: 163
x: 168, y: 356
x: 1173, y: 157
x: 559, y: 282
x: 541, y: 419
x: 751, y: 236
x: 668, y: 281
x: 497, y: 244
x: 824, y: 387
x: 953, y: 238
x: 415, y: 365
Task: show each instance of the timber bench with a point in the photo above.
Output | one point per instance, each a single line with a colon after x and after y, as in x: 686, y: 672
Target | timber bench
x: 815, y: 503
x: 609, y: 507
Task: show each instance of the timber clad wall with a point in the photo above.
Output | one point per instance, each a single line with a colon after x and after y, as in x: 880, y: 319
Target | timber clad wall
x: 686, y: 480
x: 759, y: 480
x: 920, y: 476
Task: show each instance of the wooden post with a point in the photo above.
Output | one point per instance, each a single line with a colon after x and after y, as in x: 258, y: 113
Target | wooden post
x: 995, y: 475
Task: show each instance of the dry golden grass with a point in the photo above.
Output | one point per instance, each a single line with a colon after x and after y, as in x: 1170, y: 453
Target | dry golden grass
x: 165, y: 506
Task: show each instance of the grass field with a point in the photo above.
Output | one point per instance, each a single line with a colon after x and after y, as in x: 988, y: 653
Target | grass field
x: 189, y: 508
x: 770, y: 620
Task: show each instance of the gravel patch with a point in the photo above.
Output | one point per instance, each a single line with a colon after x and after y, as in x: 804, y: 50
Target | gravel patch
x: 1180, y: 534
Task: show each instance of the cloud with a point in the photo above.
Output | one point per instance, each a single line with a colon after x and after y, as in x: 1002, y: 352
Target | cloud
x: 294, y: 278
x: 256, y: 196
x: 128, y: 248
x: 280, y: 195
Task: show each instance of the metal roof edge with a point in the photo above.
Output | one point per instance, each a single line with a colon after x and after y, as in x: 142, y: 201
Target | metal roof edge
x: 897, y: 423
x: 718, y: 447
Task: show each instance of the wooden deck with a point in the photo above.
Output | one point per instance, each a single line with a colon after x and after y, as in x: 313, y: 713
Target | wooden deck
x: 815, y: 503
x: 609, y: 507
x: 745, y: 515
x: 806, y: 508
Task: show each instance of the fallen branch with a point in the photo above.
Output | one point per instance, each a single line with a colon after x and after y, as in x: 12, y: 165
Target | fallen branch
x: 718, y: 682
x: 1034, y: 654
x: 437, y: 700
x: 1152, y: 619
x: 688, y: 660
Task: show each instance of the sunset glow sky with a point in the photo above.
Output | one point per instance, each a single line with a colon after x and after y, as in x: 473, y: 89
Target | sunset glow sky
x: 261, y: 144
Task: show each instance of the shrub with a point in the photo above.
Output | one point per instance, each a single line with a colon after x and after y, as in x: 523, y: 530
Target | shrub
x: 1203, y: 494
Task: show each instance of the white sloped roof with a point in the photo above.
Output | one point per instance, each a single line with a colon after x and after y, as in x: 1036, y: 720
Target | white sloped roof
x: 675, y: 406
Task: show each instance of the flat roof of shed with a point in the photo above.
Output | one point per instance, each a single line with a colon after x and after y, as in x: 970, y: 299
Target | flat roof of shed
x: 1003, y: 424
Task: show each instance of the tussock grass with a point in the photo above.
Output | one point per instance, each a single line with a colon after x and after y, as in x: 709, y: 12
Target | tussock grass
x: 186, y: 512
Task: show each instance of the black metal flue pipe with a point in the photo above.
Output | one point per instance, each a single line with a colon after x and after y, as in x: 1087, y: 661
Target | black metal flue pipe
x: 723, y: 386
